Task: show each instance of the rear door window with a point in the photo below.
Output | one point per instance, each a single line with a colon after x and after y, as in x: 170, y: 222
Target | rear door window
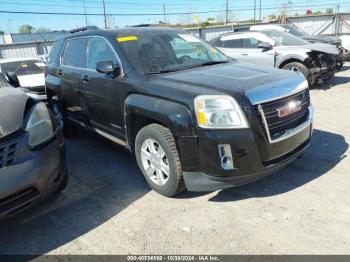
x: 234, y: 43
x: 75, y: 53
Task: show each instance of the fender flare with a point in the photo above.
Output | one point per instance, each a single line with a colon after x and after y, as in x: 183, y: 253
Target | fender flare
x: 53, y: 86
x: 290, y: 57
x: 177, y: 117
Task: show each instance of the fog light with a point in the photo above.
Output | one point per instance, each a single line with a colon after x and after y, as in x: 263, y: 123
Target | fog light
x: 225, y: 155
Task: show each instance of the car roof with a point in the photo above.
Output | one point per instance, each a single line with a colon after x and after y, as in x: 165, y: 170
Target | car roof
x: 240, y: 33
x: 18, y: 59
x: 121, y: 31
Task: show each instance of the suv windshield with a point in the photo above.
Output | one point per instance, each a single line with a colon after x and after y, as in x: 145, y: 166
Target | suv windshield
x: 295, y: 31
x: 164, y: 51
x: 21, y: 68
x: 285, y: 39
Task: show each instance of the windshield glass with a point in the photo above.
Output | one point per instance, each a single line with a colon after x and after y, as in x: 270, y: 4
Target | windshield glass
x: 285, y: 39
x: 164, y: 51
x: 295, y: 31
x: 21, y: 68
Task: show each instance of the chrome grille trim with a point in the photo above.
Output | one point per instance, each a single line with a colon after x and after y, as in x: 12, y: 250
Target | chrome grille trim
x: 288, y: 133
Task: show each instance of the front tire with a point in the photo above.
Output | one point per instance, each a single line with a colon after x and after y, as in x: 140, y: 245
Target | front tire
x: 298, y: 67
x: 159, y: 161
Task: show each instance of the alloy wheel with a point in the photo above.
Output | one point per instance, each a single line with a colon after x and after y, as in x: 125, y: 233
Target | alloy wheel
x: 155, y: 162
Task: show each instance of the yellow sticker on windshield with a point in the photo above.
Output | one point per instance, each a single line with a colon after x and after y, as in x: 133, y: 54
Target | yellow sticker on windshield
x: 24, y: 65
x: 127, y: 38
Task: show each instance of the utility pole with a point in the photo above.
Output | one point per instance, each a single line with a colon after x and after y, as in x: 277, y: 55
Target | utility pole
x: 254, y: 10
x: 164, y: 19
x: 86, y: 21
x: 259, y: 10
x: 226, y: 13
x: 104, y: 13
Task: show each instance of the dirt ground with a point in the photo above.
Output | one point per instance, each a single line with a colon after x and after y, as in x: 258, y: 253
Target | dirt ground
x: 108, y: 208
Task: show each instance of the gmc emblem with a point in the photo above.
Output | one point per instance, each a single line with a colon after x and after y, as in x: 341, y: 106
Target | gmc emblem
x: 290, y: 108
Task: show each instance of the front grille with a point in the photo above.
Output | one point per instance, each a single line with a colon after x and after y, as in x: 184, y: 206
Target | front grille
x: 278, y: 126
x: 18, y: 201
x: 8, y: 152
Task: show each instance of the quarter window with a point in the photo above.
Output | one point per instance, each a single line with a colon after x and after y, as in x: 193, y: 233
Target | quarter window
x: 75, y: 53
x: 98, y: 51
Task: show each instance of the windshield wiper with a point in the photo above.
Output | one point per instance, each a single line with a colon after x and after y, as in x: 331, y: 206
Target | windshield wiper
x: 208, y: 63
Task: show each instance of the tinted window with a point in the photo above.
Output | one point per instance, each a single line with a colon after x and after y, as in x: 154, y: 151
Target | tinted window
x: 285, y: 39
x: 3, y: 81
x: 234, y: 43
x: 99, y: 50
x: 242, y: 29
x: 163, y: 51
x: 54, y: 55
x: 295, y: 31
x: 75, y: 53
x: 251, y: 42
x: 217, y: 43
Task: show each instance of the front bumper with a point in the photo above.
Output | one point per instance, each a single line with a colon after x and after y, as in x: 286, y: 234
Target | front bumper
x: 320, y: 74
x: 254, y: 156
x: 32, y: 176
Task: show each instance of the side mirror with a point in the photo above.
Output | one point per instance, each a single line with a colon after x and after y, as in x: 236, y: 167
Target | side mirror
x: 265, y: 46
x: 108, y: 67
x: 13, y: 79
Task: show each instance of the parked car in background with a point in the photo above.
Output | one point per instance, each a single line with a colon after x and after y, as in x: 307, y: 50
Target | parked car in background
x: 326, y: 39
x: 317, y: 62
x: 346, y: 44
x: 32, y: 153
x: 194, y: 119
x: 27, y: 73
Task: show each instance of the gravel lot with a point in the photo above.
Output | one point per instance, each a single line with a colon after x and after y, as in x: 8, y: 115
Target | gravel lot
x: 108, y: 208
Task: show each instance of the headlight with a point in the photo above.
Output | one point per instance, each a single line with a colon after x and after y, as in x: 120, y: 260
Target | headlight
x: 39, y: 125
x: 219, y: 111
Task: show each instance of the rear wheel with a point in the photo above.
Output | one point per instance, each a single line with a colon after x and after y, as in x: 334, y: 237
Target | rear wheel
x: 158, y: 159
x: 59, y: 112
x: 298, y: 67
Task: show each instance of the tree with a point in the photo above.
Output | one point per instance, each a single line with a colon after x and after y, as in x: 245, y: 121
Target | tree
x: 272, y: 17
x: 43, y: 29
x: 318, y: 12
x: 26, y: 29
x: 329, y: 11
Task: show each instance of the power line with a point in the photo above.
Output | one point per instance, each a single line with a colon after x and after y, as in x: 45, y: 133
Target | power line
x: 154, y: 14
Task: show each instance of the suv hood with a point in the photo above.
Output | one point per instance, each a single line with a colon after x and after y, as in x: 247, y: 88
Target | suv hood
x: 12, y: 107
x: 318, y: 47
x: 240, y: 80
x: 332, y: 40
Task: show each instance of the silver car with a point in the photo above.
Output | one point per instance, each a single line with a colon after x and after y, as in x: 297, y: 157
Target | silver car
x: 317, y: 62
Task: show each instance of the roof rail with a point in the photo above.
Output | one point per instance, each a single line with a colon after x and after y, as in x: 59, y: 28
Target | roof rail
x: 82, y: 29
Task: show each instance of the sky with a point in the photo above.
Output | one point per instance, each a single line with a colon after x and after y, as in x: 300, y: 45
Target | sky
x: 131, y: 12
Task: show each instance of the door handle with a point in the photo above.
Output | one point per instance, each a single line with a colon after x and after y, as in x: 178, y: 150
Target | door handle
x: 85, y: 79
x: 244, y: 54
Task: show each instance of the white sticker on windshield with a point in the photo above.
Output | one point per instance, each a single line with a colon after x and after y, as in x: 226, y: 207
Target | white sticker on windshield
x: 40, y: 64
x: 189, y: 38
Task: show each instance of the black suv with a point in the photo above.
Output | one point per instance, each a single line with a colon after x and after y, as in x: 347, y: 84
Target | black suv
x: 193, y: 118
